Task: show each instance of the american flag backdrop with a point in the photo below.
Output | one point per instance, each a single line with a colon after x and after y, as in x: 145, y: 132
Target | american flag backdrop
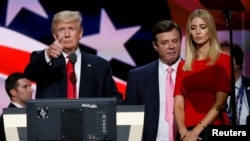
x: 118, y: 31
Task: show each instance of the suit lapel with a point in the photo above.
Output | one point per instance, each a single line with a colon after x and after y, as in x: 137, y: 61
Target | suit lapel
x: 86, y: 73
x: 61, y: 65
x: 11, y: 105
x: 246, y: 84
x: 153, y: 83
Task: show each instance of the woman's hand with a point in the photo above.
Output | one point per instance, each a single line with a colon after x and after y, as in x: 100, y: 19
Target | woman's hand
x: 191, y: 136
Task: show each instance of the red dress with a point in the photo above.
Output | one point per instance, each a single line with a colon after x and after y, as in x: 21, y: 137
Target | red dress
x: 199, y: 88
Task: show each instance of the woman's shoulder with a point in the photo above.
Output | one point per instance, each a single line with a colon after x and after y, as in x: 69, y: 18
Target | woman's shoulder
x: 224, y: 55
x: 181, y: 63
x: 224, y: 60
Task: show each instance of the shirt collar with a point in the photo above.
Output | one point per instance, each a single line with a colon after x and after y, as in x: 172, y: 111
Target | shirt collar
x: 165, y: 66
x: 238, y: 82
x: 17, y: 104
x: 77, y: 53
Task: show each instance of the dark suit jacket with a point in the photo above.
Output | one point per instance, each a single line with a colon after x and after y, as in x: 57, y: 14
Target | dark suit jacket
x: 143, y: 89
x: 246, y: 84
x: 2, y: 133
x: 96, y: 76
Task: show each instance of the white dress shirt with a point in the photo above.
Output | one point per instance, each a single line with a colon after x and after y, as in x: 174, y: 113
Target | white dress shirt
x: 245, y: 110
x: 162, y: 134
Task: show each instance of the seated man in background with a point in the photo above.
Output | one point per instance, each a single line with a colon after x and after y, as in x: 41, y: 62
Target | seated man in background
x: 18, y: 88
x: 242, y: 84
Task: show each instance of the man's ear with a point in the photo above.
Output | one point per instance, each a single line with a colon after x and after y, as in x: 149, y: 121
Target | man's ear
x: 13, y: 92
x: 155, y: 45
x: 81, y: 33
x: 54, y: 35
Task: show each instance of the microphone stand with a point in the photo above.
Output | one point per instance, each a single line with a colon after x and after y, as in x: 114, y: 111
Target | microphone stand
x: 226, y: 6
x: 227, y: 14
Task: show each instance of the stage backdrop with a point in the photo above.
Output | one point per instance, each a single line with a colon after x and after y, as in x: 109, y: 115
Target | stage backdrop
x: 119, y: 31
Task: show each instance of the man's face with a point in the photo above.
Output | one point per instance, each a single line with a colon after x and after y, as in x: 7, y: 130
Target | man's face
x: 168, y: 46
x: 22, y: 92
x: 69, y: 34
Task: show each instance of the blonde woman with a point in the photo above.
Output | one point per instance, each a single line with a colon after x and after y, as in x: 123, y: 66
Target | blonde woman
x: 203, y: 80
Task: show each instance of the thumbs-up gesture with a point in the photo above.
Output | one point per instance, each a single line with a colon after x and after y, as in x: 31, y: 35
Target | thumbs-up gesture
x: 55, y: 49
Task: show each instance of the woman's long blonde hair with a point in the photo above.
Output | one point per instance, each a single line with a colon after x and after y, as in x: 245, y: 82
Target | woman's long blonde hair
x: 191, y: 49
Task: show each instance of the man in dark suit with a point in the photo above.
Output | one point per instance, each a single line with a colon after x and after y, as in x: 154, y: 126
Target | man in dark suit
x: 93, y: 74
x: 18, y: 88
x: 242, y: 84
x: 146, y: 84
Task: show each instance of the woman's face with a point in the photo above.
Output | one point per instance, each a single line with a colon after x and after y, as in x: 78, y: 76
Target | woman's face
x: 199, y: 31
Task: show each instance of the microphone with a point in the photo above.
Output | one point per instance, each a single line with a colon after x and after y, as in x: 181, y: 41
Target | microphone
x: 226, y: 6
x: 73, y: 59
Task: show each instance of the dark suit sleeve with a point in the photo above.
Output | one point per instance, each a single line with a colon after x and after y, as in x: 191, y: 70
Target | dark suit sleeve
x: 131, y: 97
x: 36, y: 65
x: 49, y: 77
x: 110, y: 89
x: 246, y: 84
x: 96, y: 77
x: 2, y: 133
